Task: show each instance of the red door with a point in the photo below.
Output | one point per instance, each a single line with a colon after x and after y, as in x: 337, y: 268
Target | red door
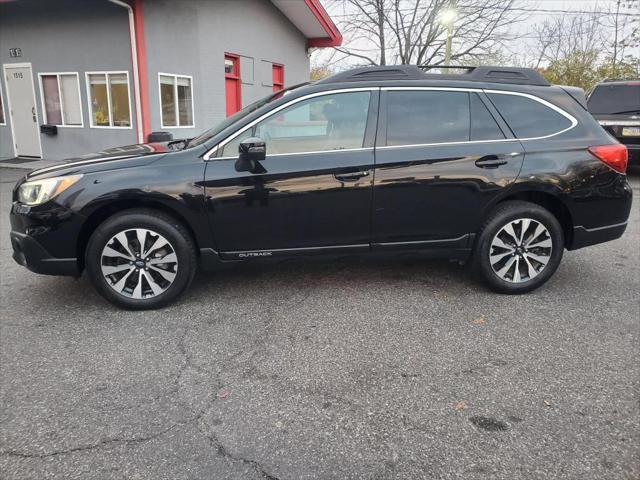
x: 278, y: 77
x: 232, y: 83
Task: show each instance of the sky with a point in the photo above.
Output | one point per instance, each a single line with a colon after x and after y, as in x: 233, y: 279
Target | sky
x: 523, y: 29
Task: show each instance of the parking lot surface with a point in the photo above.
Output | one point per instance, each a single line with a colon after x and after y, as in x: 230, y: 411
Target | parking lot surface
x: 376, y: 369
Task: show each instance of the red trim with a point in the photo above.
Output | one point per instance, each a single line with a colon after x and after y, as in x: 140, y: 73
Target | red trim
x: 277, y: 76
x: 138, y: 18
x: 335, y: 37
x: 232, y: 85
x: 334, y: 40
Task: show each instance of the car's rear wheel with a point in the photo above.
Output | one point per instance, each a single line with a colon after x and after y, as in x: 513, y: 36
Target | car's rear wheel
x: 519, y: 248
x: 141, y: 259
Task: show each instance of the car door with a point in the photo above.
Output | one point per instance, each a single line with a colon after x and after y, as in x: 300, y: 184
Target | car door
x: 442, y: 156
x: 313, y: 193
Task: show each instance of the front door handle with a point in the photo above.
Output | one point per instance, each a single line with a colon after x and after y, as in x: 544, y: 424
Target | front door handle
x: 352, y: 177
x: 490, y: 161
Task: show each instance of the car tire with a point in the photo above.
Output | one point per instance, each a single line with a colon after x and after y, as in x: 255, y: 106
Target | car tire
x: 514, y: 261
x: 155, y: 253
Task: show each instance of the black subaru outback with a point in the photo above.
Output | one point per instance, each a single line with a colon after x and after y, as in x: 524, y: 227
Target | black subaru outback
x: 493, y: 165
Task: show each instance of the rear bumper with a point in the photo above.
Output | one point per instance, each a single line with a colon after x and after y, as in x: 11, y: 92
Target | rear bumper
x: 583, y: 237
x: 30, y: 254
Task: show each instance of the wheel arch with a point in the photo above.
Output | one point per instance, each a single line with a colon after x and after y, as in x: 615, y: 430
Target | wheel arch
x: 545, y: 199
x: 104, y: 212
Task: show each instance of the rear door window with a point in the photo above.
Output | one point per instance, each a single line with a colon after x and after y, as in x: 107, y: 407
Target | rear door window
x: 529, y: 118
x: 416, y: 117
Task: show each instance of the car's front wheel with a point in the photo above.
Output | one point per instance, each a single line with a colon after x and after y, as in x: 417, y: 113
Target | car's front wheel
x: 519, y: 248
x: 141, y: 259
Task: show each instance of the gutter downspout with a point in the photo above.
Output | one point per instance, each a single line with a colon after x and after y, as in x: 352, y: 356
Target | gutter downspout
x: 136, y: 76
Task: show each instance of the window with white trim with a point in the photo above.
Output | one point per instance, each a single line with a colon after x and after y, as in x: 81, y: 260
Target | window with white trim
x: 176, y: 100
x: 3, y: 120
x: 334, y: 121
x: 529, y: 118
x: 109, y: 99
x: 60, y: 94
x: 416, y: 117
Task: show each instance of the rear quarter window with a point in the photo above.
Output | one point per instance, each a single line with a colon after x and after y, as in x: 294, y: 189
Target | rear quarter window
x: 529, y: 118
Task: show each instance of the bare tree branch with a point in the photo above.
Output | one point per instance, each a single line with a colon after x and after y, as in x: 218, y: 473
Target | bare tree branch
x: 410, y: 30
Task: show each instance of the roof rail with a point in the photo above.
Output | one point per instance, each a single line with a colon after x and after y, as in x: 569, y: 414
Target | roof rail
x: 513, y: 75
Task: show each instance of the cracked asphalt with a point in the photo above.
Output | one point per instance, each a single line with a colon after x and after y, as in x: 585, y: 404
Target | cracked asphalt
x: 350, y: 369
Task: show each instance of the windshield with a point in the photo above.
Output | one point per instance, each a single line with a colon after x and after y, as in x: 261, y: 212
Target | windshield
x: 212, y: 132
x: 615, y: 98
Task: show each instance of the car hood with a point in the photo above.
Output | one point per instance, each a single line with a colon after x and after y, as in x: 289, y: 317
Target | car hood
x: 109, y: 158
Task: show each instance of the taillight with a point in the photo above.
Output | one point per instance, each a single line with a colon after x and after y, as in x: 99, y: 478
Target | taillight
x: 614, y: 155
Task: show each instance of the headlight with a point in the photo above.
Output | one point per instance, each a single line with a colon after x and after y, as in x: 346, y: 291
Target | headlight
x: 40, y: 191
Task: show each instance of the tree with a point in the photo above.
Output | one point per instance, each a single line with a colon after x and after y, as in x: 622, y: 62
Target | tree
x: 625, y: 68
x: 575, y: 37
x: 583, y: 50
x: 378, y: 32
x: 624, y: 19
x: 319, y: 72
x: 574, y: 70
x: 577, y: 69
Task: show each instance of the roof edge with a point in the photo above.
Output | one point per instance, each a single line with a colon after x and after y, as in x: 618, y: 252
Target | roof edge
x: 335, y: 37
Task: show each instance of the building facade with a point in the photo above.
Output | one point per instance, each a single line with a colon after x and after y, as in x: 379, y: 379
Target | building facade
x: 85, y: 75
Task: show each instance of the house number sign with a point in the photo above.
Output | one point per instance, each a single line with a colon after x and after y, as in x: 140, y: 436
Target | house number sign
x: 15, y: 52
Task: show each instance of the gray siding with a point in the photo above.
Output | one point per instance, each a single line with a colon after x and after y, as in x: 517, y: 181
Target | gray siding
x: 191, y: 38
x: 183, y: 37
x: 67, y: 36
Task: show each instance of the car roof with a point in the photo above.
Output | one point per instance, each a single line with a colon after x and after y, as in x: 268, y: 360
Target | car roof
x: 630, y: 81
x: 404, y: 73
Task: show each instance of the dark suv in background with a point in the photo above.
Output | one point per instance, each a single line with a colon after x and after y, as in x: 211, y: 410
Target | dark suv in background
x: 616, y: 106
x: 493, y: 165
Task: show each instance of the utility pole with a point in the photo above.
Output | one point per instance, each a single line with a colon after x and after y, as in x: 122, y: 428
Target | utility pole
x: 615, y: 38
x: 448, y: 17
x: 447, y: 52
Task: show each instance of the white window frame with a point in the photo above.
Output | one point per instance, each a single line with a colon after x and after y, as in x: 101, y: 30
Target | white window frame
x: 220, y: 146
x: 214, y: 150
x: 43, y: 103
x: 175, y: 93
x: 4, y: 111
x: 88, y: 85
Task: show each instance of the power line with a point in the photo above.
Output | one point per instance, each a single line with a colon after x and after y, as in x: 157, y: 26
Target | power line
x: 519, y: 9
x: 575, y: 12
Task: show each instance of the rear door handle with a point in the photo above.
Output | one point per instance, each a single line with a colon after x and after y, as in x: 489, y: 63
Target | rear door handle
x: 490, y: 161
x: 352, y: 177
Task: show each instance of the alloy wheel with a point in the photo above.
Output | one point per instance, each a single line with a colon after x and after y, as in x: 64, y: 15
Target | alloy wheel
x: 139, y: 263
x: 520, y: 250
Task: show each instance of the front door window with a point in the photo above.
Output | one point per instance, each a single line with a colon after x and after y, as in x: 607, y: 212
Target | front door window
x: 325, y: 123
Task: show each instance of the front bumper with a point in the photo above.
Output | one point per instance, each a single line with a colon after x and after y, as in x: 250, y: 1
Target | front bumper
x: 30, y: 254
x: 44, y: 238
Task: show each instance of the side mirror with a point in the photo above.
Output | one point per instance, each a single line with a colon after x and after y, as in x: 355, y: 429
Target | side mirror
x: 251, y: 152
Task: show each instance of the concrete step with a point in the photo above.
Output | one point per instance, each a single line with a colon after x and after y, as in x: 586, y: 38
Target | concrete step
x: 26, y: 163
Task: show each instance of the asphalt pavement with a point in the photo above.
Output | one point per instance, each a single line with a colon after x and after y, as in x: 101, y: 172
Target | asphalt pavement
x: 350, y: 369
